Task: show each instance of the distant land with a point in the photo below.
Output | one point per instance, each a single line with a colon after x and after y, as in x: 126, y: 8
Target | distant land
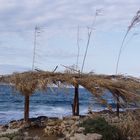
x: 8, y: 69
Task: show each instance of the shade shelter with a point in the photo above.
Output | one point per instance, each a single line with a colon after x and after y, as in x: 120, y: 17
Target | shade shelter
x: 123, y: 88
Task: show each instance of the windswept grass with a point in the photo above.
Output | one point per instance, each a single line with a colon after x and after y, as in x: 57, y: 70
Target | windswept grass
x: 135, y: 21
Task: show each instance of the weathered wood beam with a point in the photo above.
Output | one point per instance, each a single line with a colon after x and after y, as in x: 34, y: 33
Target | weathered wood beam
x: 26, y: 108
x: 117, y: 106
x: 76, y: 101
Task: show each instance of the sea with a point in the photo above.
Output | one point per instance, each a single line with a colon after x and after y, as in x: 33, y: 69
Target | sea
x: 53, y: 102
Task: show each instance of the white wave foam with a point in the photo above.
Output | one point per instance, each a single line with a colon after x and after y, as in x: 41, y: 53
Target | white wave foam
x: 50, y: 111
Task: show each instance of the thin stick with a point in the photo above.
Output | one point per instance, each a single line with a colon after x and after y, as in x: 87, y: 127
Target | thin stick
x: 34, y: 50
x: 120, y: 51
x: 89, y: 37
x: 77, y: 63
x: 70, y: 68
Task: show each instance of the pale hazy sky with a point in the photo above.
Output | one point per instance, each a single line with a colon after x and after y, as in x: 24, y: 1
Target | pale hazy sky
x: 56, y: 42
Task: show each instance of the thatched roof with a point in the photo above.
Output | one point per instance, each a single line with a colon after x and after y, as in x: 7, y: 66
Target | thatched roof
x: 123, y: 86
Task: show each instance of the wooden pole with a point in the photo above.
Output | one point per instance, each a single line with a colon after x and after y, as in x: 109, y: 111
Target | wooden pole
x: 76, y: 101
x: 26, y: 108
x: 117, y: 106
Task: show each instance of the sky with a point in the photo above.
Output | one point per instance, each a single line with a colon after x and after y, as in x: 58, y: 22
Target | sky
x: 56, y: 40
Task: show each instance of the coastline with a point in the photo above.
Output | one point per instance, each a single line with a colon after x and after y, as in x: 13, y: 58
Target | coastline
x: 48, y: 128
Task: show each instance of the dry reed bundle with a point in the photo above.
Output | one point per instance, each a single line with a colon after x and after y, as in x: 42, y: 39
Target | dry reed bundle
x: 135, y: 21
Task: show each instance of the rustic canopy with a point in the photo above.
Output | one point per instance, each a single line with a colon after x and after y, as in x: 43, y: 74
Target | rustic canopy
x: 122, y: 87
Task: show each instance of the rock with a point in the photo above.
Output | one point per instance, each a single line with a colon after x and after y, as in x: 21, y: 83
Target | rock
x: 76, y: 123
x: 62, y: 125
x: 93, y: 136
x: 52, y: 123
x: 74, y: 127
x: 53, y: 130
x: 13, y: 125
x: 128, y: 138
x: 4, y: 138
x: 70, y: 122
x: 35, y: 124
x: 36, y: 138
x: 42, y: 118
x: 10, y: 131
x: 26, y: 125
x: 72, y: 132
x: 65, y: 122
x: 80, y: 130
x: 78, y: 137
x: 28, y: 138
x: 53, y: 118
x: 16, y: 124
x: 67, y: 137
x: 3, y: 128
x: 26, y: 134
x: 61, y: 139
x: 71, y: 118
x: 72, y: 138
x: 64, y: 132
x: 17, y: 138
x: 75, y: 117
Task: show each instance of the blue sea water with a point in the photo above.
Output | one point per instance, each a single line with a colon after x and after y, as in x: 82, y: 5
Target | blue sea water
x: 54, y: 102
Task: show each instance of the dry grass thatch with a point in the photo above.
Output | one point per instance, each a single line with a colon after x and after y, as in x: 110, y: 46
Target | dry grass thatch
x: 127, y: 88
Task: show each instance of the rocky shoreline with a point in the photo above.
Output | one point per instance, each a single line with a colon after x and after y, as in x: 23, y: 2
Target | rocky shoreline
x: 67, y: 128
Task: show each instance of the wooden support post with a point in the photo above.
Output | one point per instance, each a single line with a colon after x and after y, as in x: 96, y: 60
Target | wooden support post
x: 76, y: 101
x: 26, y: 108
x: 117, y: 106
